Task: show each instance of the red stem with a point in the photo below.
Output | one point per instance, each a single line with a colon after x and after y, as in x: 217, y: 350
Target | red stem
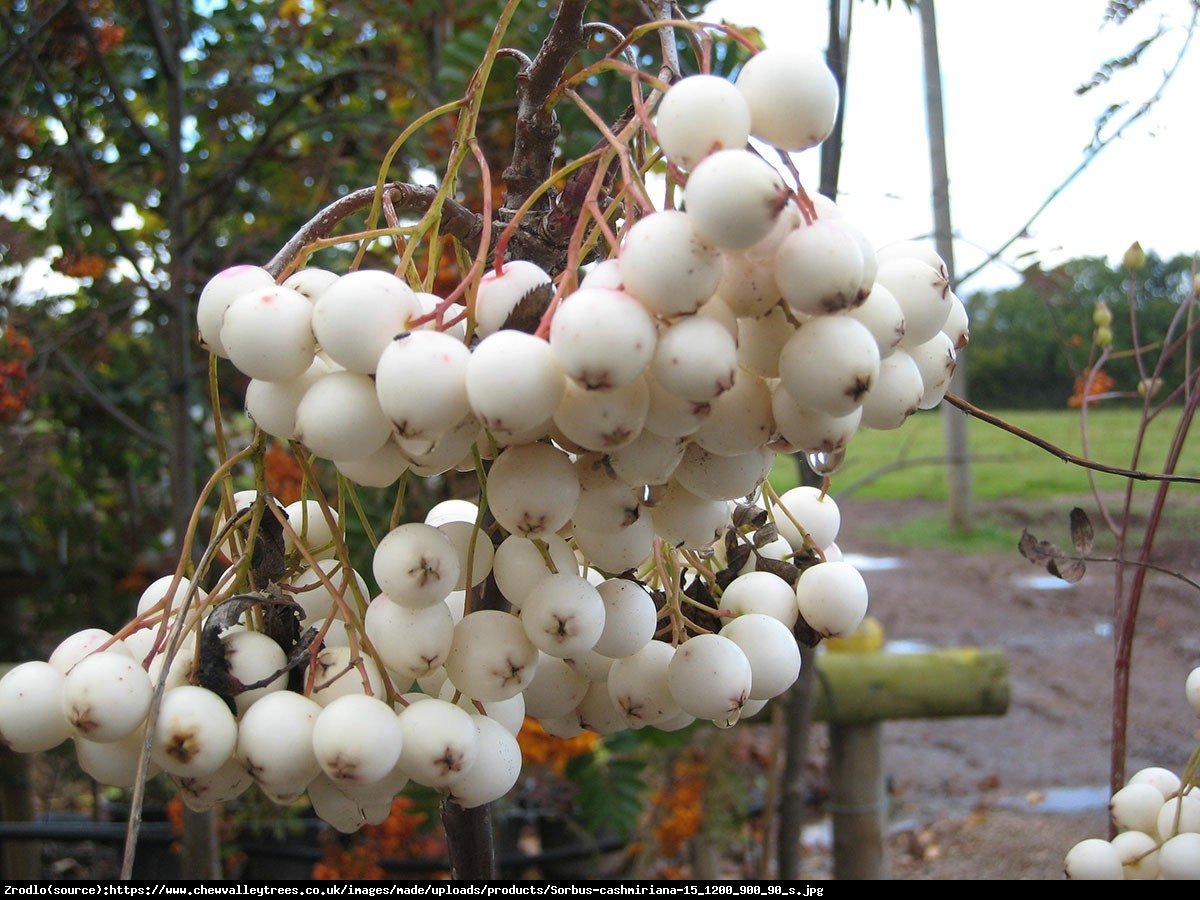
x: 1126, y: 625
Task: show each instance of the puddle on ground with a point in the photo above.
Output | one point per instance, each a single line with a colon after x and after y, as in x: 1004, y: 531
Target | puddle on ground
x: 1060, y: 800
x: 865, y: 563
x: 1045, y: 583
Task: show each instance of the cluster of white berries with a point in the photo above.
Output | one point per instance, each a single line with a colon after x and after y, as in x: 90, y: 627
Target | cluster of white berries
x: 1157, y: 817
x: 639, y: 591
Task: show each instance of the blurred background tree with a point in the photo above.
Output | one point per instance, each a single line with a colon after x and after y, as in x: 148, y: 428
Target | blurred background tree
x: 1030, y: 342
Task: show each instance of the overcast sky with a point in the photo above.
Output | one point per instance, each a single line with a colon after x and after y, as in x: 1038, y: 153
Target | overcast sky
x: 1015, y: 127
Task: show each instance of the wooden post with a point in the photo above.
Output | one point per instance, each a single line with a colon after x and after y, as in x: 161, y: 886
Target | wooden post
x: 862, y: 688
x: 857, y: 688
x: 858, y: 802
x: 22, y: 859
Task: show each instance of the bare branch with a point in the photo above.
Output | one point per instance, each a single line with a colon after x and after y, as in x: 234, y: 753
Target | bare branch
x: 972, y: 410
x: 1089, y: 155
x: 913, y: 462
x: 33, y: 32
x: 666, y: 37
x: 89, y: 34
x: 162, y: 40
x: 220, y: 191
x: 457, y: 221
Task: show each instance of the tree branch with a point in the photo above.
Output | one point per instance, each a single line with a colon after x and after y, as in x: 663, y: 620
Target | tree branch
x: 972, y: 410
x: 537, y: 126
x: 913, y: 462
x: 458, y: 221
x: 162, y: 40
x: 80, y: 377
x: 152, y: 140
x: 33, y: 32
x: 1089, y: 155
x: 220, y: 190
x: 469, y: 841
x: 666, y: 37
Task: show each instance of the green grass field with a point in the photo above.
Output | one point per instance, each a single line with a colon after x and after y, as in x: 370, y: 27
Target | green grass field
x: 908, y: 463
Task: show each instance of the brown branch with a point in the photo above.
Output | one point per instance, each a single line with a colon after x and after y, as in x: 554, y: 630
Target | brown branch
x: 914, y: 462
x: 457, y: 221
x: 89, y: 34
x: 1089, y: 155
x: 162, y: 41
x: 33, y: 32
x: 537, y: 126
x: 220, y: 190
x: 984, y: 416
x: 469, y: 841
x: 1126, y: 620
x: 137, y: 429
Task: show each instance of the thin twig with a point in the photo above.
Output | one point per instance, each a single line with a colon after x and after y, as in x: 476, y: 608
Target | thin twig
x: 913, y: 462
x: 153, y: 141
x: 1089, y: 155
x: 176, y: 635
x: 87, y: 181
x: 1162, y: 570
x: 972, y: 410
x: 666, y: 37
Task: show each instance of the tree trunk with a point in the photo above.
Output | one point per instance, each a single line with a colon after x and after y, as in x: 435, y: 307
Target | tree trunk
x: 793, y: 793
x: 837, y: 56
x: 958, y: 471
x: 469, y: 841
x: 200, y: 857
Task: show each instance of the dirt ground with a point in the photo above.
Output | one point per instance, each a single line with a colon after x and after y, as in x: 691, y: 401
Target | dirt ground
x: 1006, y: 797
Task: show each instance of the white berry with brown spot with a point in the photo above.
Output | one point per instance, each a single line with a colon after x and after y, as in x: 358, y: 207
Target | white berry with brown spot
x: 195, y: 733
x: 710, y: 678
x: 441, y: 742
x: 275, y: 742
x: 602, y: 338
x: 106, y: 696
x: 357, y: 740
x: 491, y: 657
x: 31, y: 708
x: 416, y: 565
x: 563, y: 615
x: 496, y: 769
x: 514, y: 384
x: 637, y: 685
x: 532, y: 489
x: 411, y: 642
x: 696, y: 359
x: 829, y: 364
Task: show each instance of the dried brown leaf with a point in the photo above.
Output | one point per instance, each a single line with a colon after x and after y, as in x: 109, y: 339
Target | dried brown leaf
x: 527, y: 314
x: 765, y: 535
x: 1082, y: 533
x: 1069, y: 571
x: 785, y: 570
x: 1038, y: 552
